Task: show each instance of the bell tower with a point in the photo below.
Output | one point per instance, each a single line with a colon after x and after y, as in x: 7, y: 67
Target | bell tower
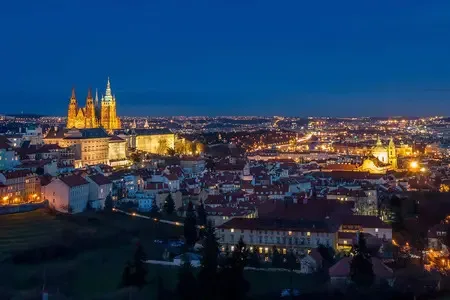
x: 392, y: 154
x: 72, y: 111
x: 91, y: 120
x: 109, y: 119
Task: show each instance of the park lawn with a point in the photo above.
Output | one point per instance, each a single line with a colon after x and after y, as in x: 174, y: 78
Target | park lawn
x: 97, y: 272
x: 24, y: 230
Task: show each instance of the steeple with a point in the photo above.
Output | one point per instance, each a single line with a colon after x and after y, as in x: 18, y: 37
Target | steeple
x: 379, y: 141
x: 146, y: 124
x: 73, y: 97
x: 108, y: 90
x: 96, y: 97
x: 89, y: 95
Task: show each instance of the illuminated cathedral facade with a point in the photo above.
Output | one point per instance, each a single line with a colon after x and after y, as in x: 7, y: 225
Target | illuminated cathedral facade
x: 95, y: 114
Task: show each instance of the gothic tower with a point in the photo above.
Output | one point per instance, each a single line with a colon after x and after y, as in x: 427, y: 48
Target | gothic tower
x: 392, y: 154
x: 72, y: 112
x: 90, y: 118
x: 109, y: 119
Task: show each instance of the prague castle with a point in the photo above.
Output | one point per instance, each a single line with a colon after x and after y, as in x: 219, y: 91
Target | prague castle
x: 94, y: 114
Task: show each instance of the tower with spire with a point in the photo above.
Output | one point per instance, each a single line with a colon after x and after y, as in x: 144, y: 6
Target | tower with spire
x: 89, y: 114
x: 94, y: 114
x: 392, y: 154
x: 108, y: 118
x: 72, y: 111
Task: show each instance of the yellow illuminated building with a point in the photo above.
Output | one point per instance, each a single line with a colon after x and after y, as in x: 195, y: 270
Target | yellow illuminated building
x: 383, y: 158
x: 117, y: 151
x: 154, y: 141
x: 94, y: 115
x: 90, y: 146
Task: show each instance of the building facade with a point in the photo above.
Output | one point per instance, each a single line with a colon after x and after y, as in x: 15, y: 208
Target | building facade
x: 153, y: 140
x: 94, y: 114
x: 68, y: 194
x: 90, y: 146
x: 298, y: 237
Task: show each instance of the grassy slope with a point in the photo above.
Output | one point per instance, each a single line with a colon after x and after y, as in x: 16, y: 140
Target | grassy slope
x: 97, y: 272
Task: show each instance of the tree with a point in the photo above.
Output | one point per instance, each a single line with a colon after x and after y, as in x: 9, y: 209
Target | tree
x: 192, y: 147
x: 108, y: 203
x: 207, y: 277
x: 169, y: 205
x: 291, y: 264
x: 162, y: 146
x: 179, y: 147
x: 187, y: 283
x: 126, y: 275
x: 277, y: 261
x: 327, y: 254
x: 140, y: 268
x: 154, y: 209
x: 40, y: 171
x: 232, y: 274
x: 89, y: 206
x: 136, y: 158
x: 253, y: 259
x: 190, y: 225
x: 135, y: 272
x: 201, y: 214
x: 199, y: 148
x: 171, y: 151
x: 361, y: 269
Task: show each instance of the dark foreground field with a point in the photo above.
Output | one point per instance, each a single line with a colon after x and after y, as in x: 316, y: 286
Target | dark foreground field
x: 95, y: 248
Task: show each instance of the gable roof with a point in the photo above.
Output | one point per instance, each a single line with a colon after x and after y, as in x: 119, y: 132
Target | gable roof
x: 73, y: 180
x: 100, y: 179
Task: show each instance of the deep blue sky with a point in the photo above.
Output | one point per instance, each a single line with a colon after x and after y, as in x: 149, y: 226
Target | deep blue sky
x: 235, y: 57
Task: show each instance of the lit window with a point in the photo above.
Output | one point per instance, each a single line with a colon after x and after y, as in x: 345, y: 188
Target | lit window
x: 345, y: 242
x: 232, y: 229
x: 308, y: 233
x: 376, y: 229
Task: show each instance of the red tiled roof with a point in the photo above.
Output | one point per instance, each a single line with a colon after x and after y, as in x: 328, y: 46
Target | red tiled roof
x: 4, y: 143
x: 340, y: 167
x: 73, y: 180
x: 100, y: 179
x: 275, y: 224
x: 342, y: 268
x: 171, y: 176
x: 215, y: 199
x: 16, y: 174
x: 364, y: 221
x: 312, y: 210
x: 347, y: 192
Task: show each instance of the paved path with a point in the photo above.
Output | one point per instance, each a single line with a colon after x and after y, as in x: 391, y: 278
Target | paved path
x: 154, y: 219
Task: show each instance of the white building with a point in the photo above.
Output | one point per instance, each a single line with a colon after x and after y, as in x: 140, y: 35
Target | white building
x: 68, y: 194
x: 8, y: 157
x: 99, y: 188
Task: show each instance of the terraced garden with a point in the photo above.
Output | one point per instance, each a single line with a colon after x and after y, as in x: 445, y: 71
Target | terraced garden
x: 22, y: 231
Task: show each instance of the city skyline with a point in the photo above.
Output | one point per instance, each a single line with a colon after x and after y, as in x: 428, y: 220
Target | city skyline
x: 172, y: 58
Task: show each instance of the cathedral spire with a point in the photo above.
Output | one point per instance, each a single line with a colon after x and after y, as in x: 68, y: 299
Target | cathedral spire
x: 379, y: 141
x: 108, y: 93
x: 73, y: 94
x: 89, y: 95
x: 96, y: 97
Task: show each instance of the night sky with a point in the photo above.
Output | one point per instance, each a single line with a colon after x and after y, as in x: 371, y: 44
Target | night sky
x: 228, y: 57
